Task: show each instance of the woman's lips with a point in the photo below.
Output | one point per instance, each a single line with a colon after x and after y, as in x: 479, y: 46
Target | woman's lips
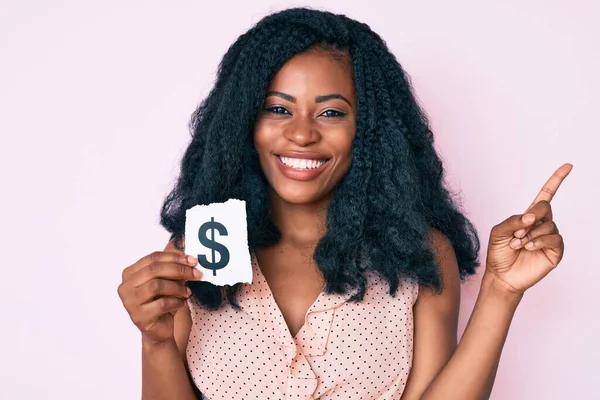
x: 299, y: 174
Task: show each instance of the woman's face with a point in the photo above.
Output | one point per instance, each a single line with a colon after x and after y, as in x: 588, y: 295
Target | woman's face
x: 306, y: 127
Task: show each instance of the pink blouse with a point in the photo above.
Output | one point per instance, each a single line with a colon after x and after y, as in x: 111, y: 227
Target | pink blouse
x: 345, y: 350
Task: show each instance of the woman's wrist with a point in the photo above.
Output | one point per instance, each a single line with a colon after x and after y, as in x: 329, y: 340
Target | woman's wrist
x: 494, y: 287
x: 149, y: 345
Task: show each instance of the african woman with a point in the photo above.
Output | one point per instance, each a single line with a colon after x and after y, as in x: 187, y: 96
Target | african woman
x: 358, y: 249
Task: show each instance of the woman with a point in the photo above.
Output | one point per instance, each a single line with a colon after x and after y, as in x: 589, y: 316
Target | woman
x: 358, y: 249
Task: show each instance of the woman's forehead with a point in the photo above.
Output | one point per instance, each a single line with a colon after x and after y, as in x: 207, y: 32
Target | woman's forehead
x: 312, y: 70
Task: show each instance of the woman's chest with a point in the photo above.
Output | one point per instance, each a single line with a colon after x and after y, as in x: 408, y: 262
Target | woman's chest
x: 251, y: 353
x: 294, y: 282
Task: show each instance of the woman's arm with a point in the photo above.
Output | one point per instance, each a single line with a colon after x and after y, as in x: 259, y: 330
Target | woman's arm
x: 522, y: 250
x: 441, y: 369
x: 164, y: 375
x: 470, y: 372
x: 164, y: 366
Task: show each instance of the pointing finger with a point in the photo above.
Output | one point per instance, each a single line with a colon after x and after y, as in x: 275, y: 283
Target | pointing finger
x: 551, y: 186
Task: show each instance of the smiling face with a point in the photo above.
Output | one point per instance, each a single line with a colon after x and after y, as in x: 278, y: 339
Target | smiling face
x: 306, y: 127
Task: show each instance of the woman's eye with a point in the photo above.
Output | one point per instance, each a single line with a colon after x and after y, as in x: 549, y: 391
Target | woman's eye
x: 277, y: 110
x: 333, y: 114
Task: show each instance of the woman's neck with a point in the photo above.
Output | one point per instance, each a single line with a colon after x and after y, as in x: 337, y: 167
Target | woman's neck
x: 300, y: 225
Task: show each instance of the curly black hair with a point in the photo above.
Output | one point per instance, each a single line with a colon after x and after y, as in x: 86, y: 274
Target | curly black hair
x: 381, y: 214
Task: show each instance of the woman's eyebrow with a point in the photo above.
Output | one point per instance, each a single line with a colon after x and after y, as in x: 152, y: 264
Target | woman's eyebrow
x: 321, y: 99
x: 284, y: 96
x: 318, y: 99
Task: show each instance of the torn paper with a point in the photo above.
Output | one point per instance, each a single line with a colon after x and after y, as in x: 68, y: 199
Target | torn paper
x: 216, y: 234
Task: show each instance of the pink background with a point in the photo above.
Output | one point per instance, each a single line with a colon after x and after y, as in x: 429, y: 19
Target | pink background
x: 95, y: 98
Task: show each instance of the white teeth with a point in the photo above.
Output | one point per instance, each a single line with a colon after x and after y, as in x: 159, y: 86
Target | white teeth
x: 301, y: 163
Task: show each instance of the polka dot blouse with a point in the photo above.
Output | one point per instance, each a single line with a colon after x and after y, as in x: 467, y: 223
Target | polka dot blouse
x: 345, y: 350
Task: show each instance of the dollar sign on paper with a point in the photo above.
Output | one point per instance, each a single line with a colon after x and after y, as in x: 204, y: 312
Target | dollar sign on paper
x: 213, y: 246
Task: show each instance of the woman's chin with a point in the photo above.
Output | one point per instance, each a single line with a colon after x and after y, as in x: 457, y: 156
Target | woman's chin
x: 299, y: 196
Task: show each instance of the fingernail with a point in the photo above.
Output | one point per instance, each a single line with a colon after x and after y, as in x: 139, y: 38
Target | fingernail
x: 520, y: 233
x: 529, y: 246
x: 188, y: 291
x: 527, y: 218
x: 192, y: 260
x: 515, y: 243
x: 197, y: 273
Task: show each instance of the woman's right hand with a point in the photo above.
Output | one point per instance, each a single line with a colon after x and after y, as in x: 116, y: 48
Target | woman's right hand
x: 153, y: 289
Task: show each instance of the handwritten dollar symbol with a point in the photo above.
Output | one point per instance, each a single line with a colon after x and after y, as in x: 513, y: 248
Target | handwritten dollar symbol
x: 214, y: 246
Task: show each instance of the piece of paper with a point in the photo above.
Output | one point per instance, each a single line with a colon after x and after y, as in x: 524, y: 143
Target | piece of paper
x: 216, y: 234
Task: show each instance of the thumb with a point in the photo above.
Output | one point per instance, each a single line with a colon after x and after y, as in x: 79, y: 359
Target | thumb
x: 509, y: 226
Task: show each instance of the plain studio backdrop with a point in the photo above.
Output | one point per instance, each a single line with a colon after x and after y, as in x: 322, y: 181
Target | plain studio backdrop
x: 94, y: 103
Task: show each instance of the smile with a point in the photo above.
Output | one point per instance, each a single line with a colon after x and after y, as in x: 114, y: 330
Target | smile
x: 301, y: 169
x: 301, y: 163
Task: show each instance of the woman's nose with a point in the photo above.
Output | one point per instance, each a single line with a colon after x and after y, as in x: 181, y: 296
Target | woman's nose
x: 303, y: 133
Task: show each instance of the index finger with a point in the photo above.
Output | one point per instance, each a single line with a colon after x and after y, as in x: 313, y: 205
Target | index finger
x: 551, y: 186
x: 160, y: 256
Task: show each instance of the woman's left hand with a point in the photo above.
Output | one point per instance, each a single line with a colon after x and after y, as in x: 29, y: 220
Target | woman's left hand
x: 524, y: 248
